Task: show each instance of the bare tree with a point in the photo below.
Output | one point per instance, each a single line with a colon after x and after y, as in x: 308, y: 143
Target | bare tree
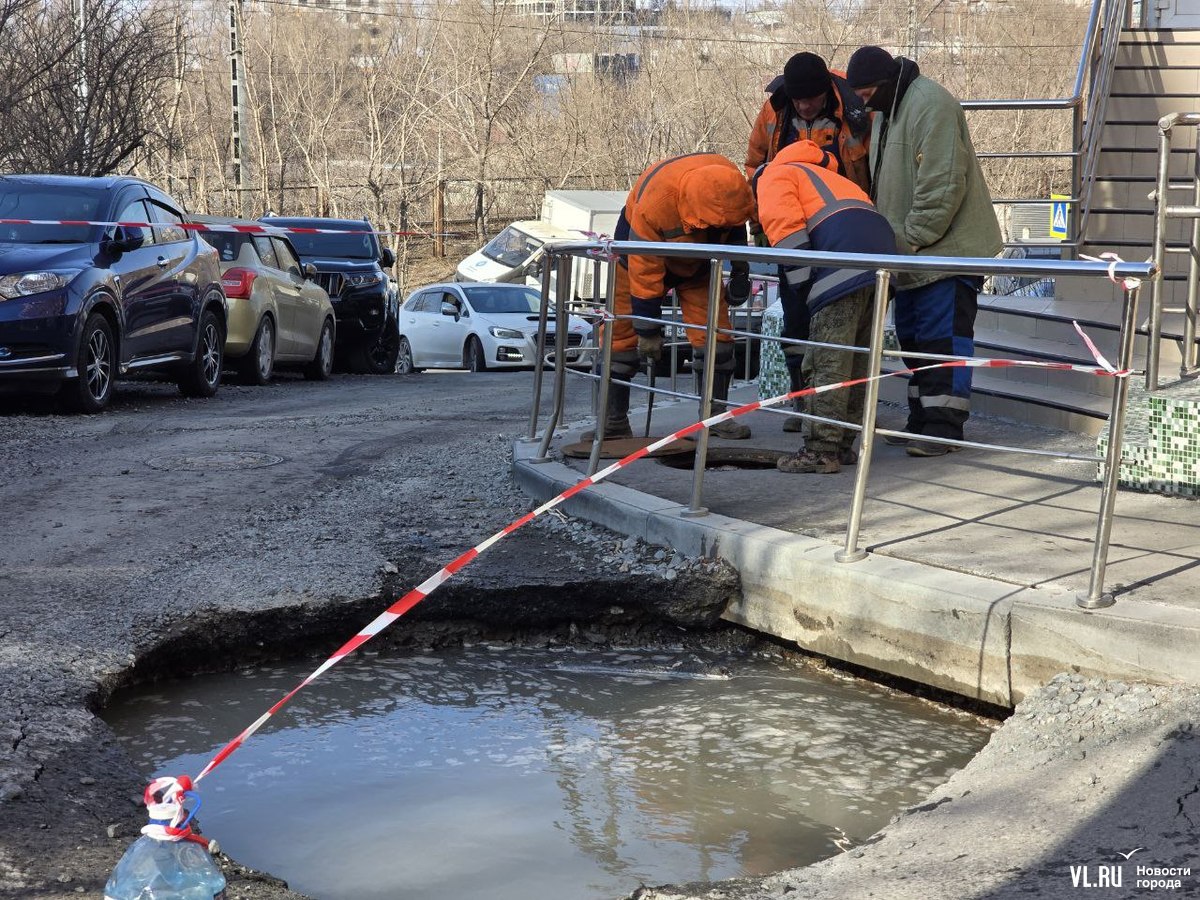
x: 85, y: 112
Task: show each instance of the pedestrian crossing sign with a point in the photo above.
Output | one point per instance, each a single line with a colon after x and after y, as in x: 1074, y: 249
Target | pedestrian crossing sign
x: 1058, y: 216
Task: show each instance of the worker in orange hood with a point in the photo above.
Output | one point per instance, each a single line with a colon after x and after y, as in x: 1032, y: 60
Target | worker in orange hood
x: 804, y: 204
x: 700, y: 198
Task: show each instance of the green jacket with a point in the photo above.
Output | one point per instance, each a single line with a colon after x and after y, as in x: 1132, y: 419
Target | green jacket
x: 928, y: 182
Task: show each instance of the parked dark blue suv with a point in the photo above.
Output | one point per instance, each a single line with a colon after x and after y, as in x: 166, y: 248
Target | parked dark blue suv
x: 81, y: 304
x: 350, y: 268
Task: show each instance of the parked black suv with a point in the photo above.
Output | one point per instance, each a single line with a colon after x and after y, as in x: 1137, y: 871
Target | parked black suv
x: 350, y: 268
x: 83, y: 303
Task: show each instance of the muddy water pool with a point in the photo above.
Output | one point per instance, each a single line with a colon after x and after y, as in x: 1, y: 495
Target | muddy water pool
x: 502, y: 773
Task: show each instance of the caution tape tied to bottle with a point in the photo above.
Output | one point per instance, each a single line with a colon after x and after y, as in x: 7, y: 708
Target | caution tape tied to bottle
x: 431, y: 584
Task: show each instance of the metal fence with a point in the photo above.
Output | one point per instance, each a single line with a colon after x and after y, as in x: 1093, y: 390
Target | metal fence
x: 1130, y: 275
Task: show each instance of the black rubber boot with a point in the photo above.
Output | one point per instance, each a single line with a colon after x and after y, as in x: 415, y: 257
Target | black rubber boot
x: 616, y: 422
x: 796, y: 377
x: 722, y: 378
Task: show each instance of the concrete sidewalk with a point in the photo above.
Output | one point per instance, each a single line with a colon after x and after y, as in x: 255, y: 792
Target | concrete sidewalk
x: 975, y: 558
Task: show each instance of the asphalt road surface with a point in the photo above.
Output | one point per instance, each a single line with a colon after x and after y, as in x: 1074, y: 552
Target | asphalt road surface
x: 168, y: 536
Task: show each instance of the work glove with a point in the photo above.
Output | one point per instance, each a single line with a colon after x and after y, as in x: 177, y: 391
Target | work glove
x: 761, y: 239
x: 739, y: 283
x: 650, y: 346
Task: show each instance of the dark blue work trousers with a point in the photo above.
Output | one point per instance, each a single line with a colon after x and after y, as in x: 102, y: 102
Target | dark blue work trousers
x: 796, y: 320
x: 938, y: 318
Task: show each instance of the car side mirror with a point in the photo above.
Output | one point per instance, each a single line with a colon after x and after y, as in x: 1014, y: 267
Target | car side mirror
x: 387, y: 258
x: 126, y: 238
x: 310, y: 272
x: 449, y: 309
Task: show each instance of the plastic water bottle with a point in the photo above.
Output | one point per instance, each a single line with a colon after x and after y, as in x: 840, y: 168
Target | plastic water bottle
x: 154, y: 869
x: 167, y: 862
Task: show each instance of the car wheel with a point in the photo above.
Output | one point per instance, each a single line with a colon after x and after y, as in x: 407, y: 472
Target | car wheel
x: 202, y: 376
x: 96, y: 361
x: 321, y: 366
x: 404, y: 362
x: 379, y: 356
x: 473, y: 358
x: 260, y: 361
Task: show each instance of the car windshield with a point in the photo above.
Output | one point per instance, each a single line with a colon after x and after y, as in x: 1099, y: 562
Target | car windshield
x: 490, y: 299
x: 42, y: 201
x: 511, y: 247
x: 335, y: 246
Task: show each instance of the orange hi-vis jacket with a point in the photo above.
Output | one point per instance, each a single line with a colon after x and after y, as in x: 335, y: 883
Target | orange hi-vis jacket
x: 844, y: 126
x: 700, y: 198
x: 804, y: 204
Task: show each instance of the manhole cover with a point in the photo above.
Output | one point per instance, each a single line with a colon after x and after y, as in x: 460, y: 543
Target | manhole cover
x: 619, y: 448
x: 727, y: 458
x: 217, y: 461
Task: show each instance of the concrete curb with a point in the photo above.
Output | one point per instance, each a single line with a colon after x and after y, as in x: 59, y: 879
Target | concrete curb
x: 978, y: 637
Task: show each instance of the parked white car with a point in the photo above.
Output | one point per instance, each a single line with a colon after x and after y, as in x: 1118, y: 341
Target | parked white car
x: 479, y: 326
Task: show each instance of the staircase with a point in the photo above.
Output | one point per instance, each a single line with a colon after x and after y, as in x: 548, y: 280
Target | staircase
x: 1156, y: 73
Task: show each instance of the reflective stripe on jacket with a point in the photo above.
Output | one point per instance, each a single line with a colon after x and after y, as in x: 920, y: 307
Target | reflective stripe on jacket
x: 846, y: 127
x: 656, y: 211
x: 804, y: 205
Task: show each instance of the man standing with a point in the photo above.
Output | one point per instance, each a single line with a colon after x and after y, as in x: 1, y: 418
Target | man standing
x: 808, y: 103
x: 700, y: 198
x: 926, y: 180
x: 804, y: 204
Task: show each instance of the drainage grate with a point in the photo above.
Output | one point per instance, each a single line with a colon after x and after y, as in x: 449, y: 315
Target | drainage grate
x: 217, y: 461
x: 719, y: 458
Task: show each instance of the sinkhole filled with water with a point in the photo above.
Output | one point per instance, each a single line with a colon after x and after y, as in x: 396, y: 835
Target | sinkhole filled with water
x: 504, y: 772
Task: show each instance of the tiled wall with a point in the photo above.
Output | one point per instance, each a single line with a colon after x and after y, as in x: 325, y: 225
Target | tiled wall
x: 1161, y: 452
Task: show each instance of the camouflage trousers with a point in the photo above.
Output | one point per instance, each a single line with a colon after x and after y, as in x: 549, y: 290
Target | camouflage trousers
x: 847, y: 321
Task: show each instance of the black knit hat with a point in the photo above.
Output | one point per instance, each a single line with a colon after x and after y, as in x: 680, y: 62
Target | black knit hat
x: 805, y: 76
x: 868, y: 66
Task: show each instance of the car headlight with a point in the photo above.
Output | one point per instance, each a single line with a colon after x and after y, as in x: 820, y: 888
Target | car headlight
x: 25, y: 284
x: 508, y: 334
x: 365, y: 279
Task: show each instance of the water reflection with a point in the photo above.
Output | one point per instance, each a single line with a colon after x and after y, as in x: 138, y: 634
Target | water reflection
x: 509, y: 773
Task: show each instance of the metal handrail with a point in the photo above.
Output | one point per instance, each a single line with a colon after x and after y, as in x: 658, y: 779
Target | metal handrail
x: 1096, y: 61
x: 884, y: 266
x: 1163, y: 211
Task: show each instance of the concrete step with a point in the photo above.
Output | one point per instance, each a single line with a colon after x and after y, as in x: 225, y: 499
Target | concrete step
x: 1045, y: 406
x: 1000, y: 343
x: 1148, y: 109
x: 1156, y: 80
x: 1157, y: 53
x: 1142, y: 131
x: 1117, y: 160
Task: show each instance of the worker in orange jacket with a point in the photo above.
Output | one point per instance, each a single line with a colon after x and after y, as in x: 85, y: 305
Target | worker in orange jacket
x: 699, y: 198
x: 805, y: 205
x: 808, y: 103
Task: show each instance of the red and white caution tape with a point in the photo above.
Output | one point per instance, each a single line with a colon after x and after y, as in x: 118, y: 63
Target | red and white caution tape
x: 241, y: 228
x: 431, y: 584
x: 1112, y: 259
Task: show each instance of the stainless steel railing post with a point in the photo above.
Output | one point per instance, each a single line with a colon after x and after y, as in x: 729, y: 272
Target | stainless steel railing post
x: 541, y: 350
x: 1158, y: 254
x: 606, y: 343
x: 852, y: 552
x: 710, y: 362
x: 596, y: 299
x: 1095, y: 597
x: 561, y: 330
x: 1188, y: 357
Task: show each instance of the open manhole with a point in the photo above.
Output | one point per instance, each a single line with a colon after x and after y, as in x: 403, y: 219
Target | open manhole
x: 216, y: 461
x: 619, y: 448
x: 719, y: 458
